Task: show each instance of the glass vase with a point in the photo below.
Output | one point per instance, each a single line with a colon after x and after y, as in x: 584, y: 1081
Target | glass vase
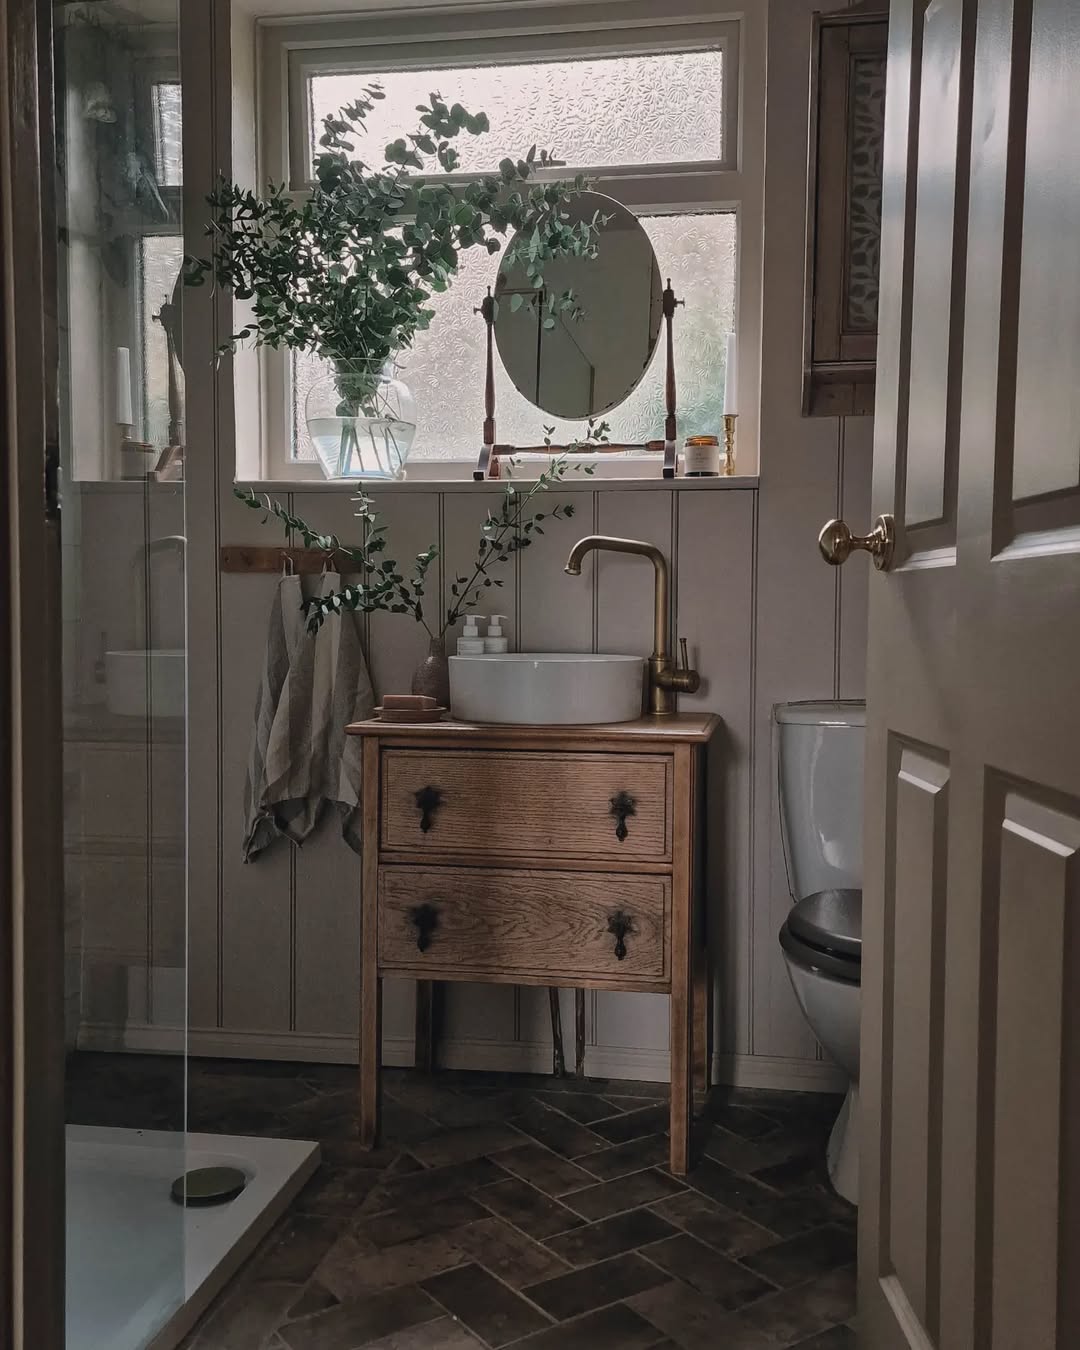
x: 361, y: 418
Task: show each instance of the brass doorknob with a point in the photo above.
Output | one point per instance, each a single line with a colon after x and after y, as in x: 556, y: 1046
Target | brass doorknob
x: 837, y: 543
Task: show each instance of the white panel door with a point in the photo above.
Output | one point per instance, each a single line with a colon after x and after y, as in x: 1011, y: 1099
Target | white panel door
x: 970, y: 1194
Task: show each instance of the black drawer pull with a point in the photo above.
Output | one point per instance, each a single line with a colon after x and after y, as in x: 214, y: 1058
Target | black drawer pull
x: 622, y: 807
x: 425, y: 919
x: 428, y: 801
x: 621, y: 925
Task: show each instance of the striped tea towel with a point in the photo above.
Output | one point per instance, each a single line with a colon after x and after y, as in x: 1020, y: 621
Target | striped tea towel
x: 311, y: 688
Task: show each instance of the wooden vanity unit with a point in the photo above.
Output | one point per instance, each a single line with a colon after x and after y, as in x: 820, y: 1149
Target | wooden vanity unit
x: 559, y: 856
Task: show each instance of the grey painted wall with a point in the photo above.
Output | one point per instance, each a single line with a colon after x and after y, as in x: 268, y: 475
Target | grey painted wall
x: 273, y: 946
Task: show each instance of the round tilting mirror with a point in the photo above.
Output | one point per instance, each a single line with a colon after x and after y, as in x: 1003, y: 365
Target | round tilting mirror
x: 582, y: 358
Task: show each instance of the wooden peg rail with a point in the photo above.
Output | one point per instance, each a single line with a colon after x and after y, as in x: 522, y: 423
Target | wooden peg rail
x: 266, y: 559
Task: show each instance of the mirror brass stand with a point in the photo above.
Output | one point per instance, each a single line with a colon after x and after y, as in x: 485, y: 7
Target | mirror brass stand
x: 585, y: 379
x: 671, y: 444
x: 487, y: 466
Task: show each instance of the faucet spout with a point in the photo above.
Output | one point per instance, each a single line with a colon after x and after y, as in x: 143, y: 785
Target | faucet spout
x: 661, y: 591
x: 664, y: 678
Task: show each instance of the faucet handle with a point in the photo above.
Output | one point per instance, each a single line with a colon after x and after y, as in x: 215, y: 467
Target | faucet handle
x: 683, y: 678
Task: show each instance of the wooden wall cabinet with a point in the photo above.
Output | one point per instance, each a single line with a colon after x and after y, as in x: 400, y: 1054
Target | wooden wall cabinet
x: 561, y: 856
x: 847, y: 124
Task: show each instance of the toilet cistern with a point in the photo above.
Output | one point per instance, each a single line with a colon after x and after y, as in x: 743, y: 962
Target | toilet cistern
x: 665, y: 677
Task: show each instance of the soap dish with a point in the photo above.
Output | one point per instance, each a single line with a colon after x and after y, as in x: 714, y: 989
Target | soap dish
x: 410, y: 714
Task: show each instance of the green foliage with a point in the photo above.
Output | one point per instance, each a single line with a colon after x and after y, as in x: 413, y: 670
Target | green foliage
x: 348, y: 271
x: 383, y: 585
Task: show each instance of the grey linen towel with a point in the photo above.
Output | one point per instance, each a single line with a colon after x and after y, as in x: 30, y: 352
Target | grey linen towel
x: 311, y: 688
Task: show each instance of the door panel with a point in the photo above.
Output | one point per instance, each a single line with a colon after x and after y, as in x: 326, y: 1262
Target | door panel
x: 1039, y: 869
x: 916, y: 920
x: 932, y: 314
x: 1048, y: 375
x: 970, y: 1080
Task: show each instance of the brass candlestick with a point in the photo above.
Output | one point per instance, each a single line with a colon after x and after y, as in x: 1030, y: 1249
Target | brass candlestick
x: 729, y: 444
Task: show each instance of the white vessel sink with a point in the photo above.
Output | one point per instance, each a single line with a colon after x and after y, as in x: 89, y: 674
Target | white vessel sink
x: 546, y: 688
x: 141, y: 682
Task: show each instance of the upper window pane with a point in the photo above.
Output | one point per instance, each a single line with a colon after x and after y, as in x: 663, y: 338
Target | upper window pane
x: 657, y: 109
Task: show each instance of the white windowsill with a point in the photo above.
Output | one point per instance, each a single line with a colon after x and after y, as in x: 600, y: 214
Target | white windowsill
x: 572, y: 483
x: 622, y: 471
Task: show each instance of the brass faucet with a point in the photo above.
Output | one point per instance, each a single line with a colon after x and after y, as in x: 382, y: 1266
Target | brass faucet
x: 665, y: 678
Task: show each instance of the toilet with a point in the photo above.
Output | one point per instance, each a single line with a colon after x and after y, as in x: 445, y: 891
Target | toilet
x: 820, y: 771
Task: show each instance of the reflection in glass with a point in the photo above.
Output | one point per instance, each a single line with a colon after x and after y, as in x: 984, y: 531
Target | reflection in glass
x: 578, y: 345
x: 118, y: 162
x: 160, y: 256
x: 123, y: 561
x: 168, y: 159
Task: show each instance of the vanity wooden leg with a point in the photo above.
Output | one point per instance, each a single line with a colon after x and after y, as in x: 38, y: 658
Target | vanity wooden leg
x: 558, y: 1057
x: 682, y: 1097
x: 579, y: 1033
x: 370, y: 983
x: 682, y: 999
x: 701, y: 1019
x: 370, y: 1059
x: 427, y: 1033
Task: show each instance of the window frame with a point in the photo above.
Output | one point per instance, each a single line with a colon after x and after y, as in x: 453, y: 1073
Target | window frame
x: 290, y: 51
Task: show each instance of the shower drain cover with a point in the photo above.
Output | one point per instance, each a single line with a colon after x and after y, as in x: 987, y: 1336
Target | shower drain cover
x: 208, y: 1186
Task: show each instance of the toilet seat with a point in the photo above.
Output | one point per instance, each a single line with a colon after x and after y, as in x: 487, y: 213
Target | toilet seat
x: 823, y: 932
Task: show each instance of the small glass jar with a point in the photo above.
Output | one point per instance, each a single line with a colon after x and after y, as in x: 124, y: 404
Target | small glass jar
x: 701, y: 457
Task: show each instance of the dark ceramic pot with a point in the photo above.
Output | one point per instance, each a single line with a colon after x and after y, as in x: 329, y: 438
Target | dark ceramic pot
x: 432, y: 675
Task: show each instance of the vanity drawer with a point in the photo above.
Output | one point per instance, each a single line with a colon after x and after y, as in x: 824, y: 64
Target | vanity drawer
x: 510, y: 922
x: 528, y: 804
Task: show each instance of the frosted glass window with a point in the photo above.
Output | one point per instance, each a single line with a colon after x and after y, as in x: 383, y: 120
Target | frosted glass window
x: 168, y: 151
x: 657, y: 109
x: 445, y: 367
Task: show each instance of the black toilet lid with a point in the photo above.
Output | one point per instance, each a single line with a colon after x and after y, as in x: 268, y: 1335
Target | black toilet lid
x: 845, y: 968
x: 830, y: 921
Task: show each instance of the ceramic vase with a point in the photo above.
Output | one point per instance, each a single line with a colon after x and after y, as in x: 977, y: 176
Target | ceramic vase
x: 432, y: 675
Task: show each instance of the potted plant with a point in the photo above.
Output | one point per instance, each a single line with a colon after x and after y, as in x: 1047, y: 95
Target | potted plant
x: 349, y: 272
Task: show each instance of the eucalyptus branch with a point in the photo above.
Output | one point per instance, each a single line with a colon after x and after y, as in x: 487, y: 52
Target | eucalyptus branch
x: 350, y: 272
x: 503, y: 535
x: 512, y: 530
x: 384, y: 588
x: 389, y: 591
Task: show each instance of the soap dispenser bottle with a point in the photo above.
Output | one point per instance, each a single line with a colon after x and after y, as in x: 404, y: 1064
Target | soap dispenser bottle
x: 470, y: 643
x: 494, y: 641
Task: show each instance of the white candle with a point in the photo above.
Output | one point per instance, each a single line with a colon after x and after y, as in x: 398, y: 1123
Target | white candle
x: 123, y: 387
x: 731, y: 378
